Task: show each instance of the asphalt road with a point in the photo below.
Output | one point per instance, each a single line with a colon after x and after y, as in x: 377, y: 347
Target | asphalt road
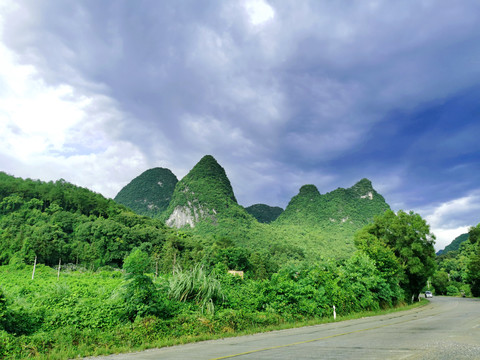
x: 447, y: 328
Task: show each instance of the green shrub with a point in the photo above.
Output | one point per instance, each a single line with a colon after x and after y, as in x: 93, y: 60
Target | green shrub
x: 452, y: 290
x: 8, y: 344
x: 140, y: 294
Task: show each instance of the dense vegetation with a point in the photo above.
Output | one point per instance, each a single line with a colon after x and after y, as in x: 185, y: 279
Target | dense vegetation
x: 83, y: 313
x: 352, y: 208
x: 458, y: 271
x: 106, y: 279
x: 324, y: 225
x: 264, y: 213
x: 401, y: 244
x: 150, y: 193
x: 58, y: 221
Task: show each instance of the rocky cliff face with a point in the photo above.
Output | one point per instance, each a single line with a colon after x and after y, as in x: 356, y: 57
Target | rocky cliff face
x: 187, y: 216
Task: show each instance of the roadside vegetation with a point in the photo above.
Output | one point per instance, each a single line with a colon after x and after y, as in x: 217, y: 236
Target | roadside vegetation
x: 85, y: 313
x: 458, y: 271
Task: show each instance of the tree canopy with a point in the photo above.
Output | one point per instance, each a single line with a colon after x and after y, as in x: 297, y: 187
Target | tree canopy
x: 408, y: 236
x: 473, y: 276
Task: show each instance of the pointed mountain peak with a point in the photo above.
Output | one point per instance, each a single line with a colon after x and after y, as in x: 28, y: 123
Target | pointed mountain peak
x: 365, y: 183
x: 206, y: 166
x: 209, y: 170
x: 204, y: 193
x: 309, y: 190
x: 364, y: 189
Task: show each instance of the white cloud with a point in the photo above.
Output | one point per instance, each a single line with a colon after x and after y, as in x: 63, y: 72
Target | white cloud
x: 51, y: 132
x: 211, y: 135
x: 453, y: 218
x: 259, y: 11
x: 445, y: 236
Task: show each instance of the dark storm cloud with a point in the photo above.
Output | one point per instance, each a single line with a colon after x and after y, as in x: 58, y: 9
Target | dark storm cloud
x: 323, y: 92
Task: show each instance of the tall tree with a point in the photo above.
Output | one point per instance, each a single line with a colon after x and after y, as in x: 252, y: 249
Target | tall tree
x: 473, y: 268
x: 409, y: 236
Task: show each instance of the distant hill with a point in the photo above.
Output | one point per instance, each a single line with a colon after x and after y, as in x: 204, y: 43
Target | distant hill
x: 454, y: 245
x: 149, y: 193
x: 88, y: 228
x: 324, y: 225
x: 264, y: 213
x: 348, y: 208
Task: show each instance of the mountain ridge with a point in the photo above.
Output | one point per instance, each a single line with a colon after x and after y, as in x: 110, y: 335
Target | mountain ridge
x: 454, y: 245
x: 358, y: 203
x: 313, y: 225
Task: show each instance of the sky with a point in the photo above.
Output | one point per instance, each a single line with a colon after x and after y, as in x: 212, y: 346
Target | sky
x: 281, y: 93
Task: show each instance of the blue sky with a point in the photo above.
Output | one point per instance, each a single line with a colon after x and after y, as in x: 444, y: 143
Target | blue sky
x: 282, y: 93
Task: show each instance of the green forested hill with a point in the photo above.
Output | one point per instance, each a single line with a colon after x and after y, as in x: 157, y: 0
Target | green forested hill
x: 264, y: 213
x: 454, y: 245
x: 60, y: 221
x: 324, y: 225
x: 203, y: 195
x: 346, y: 208
x: 149, y: 193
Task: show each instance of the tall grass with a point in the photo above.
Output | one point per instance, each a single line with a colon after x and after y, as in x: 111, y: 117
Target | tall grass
x: 197, y: 285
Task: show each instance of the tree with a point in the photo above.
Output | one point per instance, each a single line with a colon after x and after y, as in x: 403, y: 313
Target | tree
x: 408, y: 235
x: 384, y: 259
x: 140, y: 292
x: 473, y: 268
x: 440, y: 282
x: 474, y: 234
x: 3, y: 310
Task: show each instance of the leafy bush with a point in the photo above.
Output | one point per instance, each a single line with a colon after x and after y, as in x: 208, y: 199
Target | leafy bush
x: 452, y: 290
x: 140, y: 294
x: 3, y: 310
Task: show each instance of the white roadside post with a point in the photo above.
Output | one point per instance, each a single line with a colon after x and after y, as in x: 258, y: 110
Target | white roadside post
x: 334, y: 313
x: 34, y: 265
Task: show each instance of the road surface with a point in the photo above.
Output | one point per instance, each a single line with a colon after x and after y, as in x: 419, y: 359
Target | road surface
x: 447, y: 328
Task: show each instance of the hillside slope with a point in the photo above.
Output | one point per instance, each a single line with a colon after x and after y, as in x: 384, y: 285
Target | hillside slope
x: 58, y: 221
x: 454, y: 245
x: 324, y: 225
x: 349, y: 208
